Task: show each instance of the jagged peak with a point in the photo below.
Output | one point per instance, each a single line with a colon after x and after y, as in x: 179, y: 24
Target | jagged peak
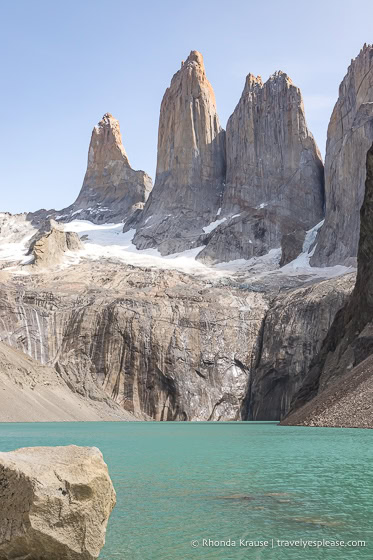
x: 106, y: 141
x: 366, y: 48
x: 193, y: 62
x: 279, y: 76
x: 195, y: 56
x: 252, y: 80
x: 365, y: 57
x: 107, y: 120
x: 193, y: 72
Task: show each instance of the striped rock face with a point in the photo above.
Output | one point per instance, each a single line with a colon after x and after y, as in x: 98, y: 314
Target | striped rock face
x: 274, y: 183
x: 190, y: 165
x: 350, y: 135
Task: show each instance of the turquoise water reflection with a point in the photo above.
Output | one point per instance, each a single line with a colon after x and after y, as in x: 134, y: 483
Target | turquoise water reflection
x: 183, y: 482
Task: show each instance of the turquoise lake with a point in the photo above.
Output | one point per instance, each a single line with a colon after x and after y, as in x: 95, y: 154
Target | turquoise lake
x: 183, y: 482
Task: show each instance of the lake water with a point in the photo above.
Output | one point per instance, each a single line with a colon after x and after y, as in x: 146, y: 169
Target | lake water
x: 183, y: 482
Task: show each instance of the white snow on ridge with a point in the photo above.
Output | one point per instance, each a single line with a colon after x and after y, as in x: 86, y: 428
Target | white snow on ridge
x: 213, y: 225
x: 16, y: 233
x: 301, y: 265
x: 108, y: 241
x: 303, y: 260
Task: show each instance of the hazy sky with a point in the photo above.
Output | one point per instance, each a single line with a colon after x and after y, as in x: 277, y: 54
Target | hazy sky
x: 65, y: 63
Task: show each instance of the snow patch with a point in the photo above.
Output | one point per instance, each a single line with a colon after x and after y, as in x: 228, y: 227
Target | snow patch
x: 303, y: 260
x: 213, y: 225
x: 269, y: 261
x: 109, y: 241
x: 301, y: 265
x: 16, y: 233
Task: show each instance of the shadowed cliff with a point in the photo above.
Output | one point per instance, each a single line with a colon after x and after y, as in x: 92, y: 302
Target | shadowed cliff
x: 346, y: 353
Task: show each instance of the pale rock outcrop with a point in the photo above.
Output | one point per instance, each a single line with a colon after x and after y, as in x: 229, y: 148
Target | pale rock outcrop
x: 350, y: 135
x: 55, y: 503
x: 274, y: 180
x: 340, y: 376
x: 49, y: 248
x: 190, y: 166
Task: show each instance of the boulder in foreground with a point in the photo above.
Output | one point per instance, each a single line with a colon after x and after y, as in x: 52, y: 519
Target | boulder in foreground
x: 55, y: 503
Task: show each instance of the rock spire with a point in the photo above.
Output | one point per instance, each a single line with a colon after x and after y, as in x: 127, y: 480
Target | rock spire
x: 111, y: 188
x: 274, y: 180
x: 350, y: 134
x: 190, y: 165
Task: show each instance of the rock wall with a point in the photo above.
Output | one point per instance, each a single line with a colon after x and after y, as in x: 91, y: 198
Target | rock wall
x: 190, y: 163
x: 169, y: 345
x: 274, y: 183
x: 350, y: 339
x: 350, y: 135
x: 159, y: 343
x: 31, y: 392
x: 293, y: 331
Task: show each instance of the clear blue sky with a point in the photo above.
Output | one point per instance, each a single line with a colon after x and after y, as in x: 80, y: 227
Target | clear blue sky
x: 65, y: 63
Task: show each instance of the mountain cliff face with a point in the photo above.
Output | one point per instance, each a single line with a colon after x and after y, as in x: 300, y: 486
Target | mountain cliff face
x: 345, y: 359
x: 350, y: 134
x: 274, y: 183
x: 169, y: 345
x: 190, y: 164
x: 159, y: 343
x: 31, y: 392
x: 293, y: 331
